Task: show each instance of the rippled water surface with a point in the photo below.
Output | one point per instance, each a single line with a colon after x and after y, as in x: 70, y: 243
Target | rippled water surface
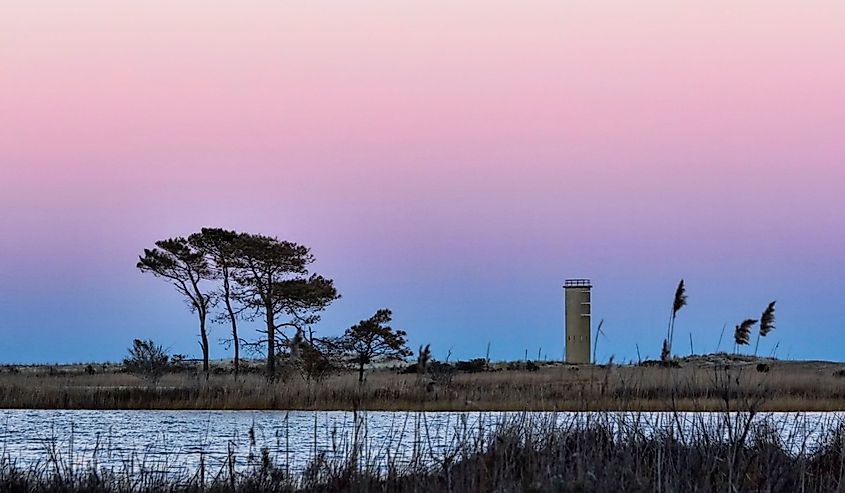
x: 180, y: 441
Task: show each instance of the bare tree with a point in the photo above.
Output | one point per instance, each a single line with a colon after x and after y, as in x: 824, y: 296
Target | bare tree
x: 178, y: 262
x: 373, y: 339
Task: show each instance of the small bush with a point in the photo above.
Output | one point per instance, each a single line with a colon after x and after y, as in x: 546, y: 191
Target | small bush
x: 664, y: 364
x: 179, y: 363
x: 147, y: 360
x: 472, y: 366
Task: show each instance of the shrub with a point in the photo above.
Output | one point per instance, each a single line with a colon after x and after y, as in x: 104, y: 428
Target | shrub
x: 319, y: 358
x: 179, y: 363
x: 147, y: 360
x: 664, y: 364
x: 472, y: 366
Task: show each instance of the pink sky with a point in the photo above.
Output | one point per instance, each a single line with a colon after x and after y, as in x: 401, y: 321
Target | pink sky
x: 489, y: 143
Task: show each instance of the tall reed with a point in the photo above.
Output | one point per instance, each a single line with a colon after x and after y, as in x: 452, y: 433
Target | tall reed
x: 601, y: 452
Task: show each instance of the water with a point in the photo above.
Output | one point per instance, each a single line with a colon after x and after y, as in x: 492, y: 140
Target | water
x: 179, y: 441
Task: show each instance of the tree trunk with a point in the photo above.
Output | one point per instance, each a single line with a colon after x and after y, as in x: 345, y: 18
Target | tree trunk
x: 237, y: 348
x: 271, y: 342
x: 204, y: 343
x: 236, y: 341
x: 361, y: 372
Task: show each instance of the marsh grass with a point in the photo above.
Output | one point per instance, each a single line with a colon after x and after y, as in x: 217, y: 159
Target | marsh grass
x: 696, y: 385
x: 598, y: 452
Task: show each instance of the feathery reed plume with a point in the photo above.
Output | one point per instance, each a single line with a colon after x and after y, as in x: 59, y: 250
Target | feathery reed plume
x: 423, y: 358
x: 680, y: 297
x: 679, y: 302
x: 767, y: 321
x: 767, y: 324
x: 743, y: 332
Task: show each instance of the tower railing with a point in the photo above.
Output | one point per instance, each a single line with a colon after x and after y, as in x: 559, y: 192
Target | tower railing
x: 577, y: 283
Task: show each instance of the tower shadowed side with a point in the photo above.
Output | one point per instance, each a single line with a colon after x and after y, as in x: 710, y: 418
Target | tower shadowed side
x: 577, y: 319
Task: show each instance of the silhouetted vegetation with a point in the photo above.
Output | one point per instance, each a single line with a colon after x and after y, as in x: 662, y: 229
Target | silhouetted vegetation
x: 254, y: 276
x: 373, y: 339
x: 678, y: 302
x: 472, y: 366
x: 145, y: 359
x: 220, y: 248
x: 276, y: 285
x: 767, y: 323
x: 742, y: 333
x: 180, y: 263
x: 316, y: 358
x: 600, y: 452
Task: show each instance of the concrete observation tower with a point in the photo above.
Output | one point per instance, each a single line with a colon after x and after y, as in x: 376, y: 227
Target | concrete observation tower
x: 576, y: 312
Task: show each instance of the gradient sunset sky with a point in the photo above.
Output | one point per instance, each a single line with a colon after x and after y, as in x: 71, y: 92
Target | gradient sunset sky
x: 454, y: 161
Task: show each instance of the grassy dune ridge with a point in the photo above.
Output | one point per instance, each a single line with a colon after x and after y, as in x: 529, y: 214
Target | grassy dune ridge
x: 715, y: 382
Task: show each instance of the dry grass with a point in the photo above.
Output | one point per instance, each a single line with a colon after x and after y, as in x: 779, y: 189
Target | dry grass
x: 524, y: 453
x: 698, y: 385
